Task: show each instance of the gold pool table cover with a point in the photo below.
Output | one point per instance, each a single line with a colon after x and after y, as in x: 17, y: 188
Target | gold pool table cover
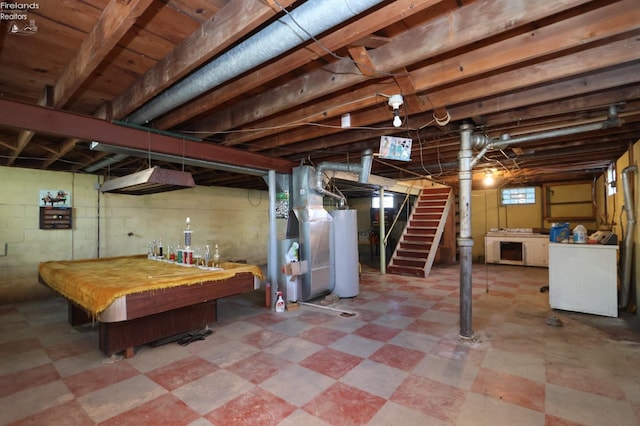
x: 94, y: 284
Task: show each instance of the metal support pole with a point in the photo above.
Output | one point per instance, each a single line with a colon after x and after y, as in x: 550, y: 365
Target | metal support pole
x: 465, y: 242
x: 272, y: 254
x: 383, y: 254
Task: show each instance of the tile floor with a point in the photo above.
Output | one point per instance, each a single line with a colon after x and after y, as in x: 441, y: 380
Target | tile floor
x: 399, y: 361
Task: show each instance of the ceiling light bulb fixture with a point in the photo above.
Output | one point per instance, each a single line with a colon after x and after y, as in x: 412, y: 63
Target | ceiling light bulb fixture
x: 397, y: 121
x: 395, y: 101
x: 489, y: 178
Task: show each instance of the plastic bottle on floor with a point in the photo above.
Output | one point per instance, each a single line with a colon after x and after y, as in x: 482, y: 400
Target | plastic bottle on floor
x: 280, y: 303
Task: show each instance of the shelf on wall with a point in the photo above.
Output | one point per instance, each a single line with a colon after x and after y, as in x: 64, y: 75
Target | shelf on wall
x: 56, y: 217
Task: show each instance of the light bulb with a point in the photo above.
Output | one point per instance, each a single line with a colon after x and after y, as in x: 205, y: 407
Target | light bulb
x: 397, y: 121
x: 395, y: 101
x: 488, y: 179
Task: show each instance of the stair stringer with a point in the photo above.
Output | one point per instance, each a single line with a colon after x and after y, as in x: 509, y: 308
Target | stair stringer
x: 438, y: 236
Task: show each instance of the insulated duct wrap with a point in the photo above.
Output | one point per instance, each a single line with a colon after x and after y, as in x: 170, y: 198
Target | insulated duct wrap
x: 310, y: 19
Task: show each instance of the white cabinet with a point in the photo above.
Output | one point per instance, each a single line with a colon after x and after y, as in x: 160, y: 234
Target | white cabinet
x: 537, y: 251
x: 584, y: 278
x: 525, y: 249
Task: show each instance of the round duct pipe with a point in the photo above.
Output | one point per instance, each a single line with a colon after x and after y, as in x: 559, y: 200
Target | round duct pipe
x: 301, y: 24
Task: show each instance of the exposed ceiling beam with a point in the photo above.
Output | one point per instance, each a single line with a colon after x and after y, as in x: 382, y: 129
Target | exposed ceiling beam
x: 304, y: 139
x: 362, y: 60
x: 235, y: 20
x: 466, y: 25
x: 574, y: 32
x: 116, y: 19
x: 25, y: 136
x: 227, y: 27
x: 555, y: 97
x: 568, y: 66
x: 592, y: 83
x: 66, y: 124
x: 343, y: 36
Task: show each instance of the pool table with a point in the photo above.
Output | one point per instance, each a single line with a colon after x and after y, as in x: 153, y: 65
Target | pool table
x: 137, y: 300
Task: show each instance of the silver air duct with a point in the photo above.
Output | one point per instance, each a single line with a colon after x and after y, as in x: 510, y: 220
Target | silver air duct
x: 298, y: 26
x: 314, y: 225
x: 627, y: 253
x: 363, y: 170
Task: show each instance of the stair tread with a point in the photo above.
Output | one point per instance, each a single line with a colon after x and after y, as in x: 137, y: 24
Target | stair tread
x: 414, y: 249
x: 409, y: 258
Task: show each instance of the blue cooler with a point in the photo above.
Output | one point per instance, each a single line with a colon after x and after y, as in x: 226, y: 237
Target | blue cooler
x: 559, y: 232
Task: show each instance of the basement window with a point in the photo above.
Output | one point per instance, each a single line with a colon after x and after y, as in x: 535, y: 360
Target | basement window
x: 388, y: 202
x: 514, y: 196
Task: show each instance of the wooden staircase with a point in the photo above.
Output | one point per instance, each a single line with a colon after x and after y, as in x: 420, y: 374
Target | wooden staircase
x: 418, y: 245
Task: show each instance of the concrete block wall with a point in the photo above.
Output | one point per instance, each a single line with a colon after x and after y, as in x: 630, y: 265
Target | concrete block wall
x: 27, y: 244
x: 235, y: 219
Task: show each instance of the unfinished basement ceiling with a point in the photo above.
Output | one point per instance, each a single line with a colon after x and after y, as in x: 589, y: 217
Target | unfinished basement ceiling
x: 506, y: 67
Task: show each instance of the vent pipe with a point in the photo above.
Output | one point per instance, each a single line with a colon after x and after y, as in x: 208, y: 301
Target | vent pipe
x: 363, y: 170
x: 296, y: 27
x: 627, y: 254
x: 486, y: 143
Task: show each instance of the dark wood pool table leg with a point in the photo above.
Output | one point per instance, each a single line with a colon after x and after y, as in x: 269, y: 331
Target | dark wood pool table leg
x: 126, y: 335
x: 76, y: 315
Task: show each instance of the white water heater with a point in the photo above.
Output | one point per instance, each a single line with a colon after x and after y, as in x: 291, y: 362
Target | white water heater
x: 345, y: 253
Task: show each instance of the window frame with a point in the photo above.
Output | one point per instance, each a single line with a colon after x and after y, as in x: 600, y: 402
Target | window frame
x: 525, y: 192
x: 388, y: 199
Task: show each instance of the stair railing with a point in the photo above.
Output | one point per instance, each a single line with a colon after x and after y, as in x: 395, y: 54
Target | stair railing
x: 395, y: 219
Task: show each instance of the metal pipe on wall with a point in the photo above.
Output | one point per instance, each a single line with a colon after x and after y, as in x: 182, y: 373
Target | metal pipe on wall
x: 485, y: 143
x: 627, y: 254
x: 465, y: 240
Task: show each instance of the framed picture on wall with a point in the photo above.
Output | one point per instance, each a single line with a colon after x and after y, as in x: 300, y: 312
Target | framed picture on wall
x: 60, y: 198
